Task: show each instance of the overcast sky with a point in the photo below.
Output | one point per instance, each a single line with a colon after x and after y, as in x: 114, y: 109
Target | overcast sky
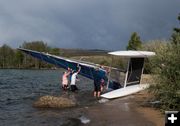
x: 100, y: 24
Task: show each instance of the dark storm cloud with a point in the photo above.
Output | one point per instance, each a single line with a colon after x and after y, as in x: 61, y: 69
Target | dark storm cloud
x: 104, y: 24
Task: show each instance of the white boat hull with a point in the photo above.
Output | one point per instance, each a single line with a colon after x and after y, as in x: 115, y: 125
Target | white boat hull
x: 125, y: 91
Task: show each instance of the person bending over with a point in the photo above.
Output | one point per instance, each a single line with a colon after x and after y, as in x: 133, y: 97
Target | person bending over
x: 97, y: 83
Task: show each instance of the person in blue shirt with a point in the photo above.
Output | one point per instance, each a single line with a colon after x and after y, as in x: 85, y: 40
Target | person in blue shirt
x: 97, y: 83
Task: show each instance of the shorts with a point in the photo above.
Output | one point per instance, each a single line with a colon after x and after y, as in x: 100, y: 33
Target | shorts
x: 73, y: 88
x: 64, y: 87
x: 97, y: 87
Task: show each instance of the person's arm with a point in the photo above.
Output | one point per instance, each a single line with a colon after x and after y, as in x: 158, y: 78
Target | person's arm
x: 79, y: 69
x: 77, y: 79
x: 68, y: 73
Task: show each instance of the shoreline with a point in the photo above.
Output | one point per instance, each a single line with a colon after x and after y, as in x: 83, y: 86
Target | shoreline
x: 151, y: 113
x: 124, y: 111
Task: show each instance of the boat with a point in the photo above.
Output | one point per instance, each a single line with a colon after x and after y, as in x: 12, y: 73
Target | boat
x: 134, y: 70
x: 118, y: 82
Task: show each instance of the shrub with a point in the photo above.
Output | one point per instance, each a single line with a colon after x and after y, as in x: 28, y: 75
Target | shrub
x: 167, y: 66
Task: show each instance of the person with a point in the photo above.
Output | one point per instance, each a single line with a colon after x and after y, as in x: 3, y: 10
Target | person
x: 73, y: 80
x: 97, y: 83
x: 65, y: 80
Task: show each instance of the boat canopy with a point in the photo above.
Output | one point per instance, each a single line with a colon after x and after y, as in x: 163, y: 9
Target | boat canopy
x: 131, y: 53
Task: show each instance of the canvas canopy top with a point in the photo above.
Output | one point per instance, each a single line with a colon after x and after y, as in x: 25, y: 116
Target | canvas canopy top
x: 135, y: 54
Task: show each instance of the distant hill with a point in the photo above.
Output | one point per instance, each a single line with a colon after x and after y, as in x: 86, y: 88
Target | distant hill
x: 81, y: 52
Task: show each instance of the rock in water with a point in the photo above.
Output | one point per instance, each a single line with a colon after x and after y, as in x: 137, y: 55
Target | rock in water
x: 53, y: 102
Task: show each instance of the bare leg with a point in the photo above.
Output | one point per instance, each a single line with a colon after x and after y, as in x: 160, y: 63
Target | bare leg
x: 94, y: 93
x: 101, y: 88
x: 98, y: 94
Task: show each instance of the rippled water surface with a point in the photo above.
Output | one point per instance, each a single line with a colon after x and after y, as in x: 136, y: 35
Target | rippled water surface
x: 20, y: 88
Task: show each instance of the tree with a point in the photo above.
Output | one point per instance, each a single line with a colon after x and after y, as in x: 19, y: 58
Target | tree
x: 6, y: 56
x: 176, y: 34
x: 55, y: 51
x: 157, y: 46
x: 38, y: 46
x: 167, y: 89
x: 134, y: 42
x: 19, y: 57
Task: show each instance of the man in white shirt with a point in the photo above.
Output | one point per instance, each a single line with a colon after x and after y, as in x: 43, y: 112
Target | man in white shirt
x: 73, y: 80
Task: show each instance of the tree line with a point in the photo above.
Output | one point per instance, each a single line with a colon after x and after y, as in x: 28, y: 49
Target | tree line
x: 13, y: 58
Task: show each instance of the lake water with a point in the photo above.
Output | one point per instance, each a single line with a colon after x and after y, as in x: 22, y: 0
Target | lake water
x: 20, y: 88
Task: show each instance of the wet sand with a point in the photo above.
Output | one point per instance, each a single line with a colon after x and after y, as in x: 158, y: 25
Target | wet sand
x: 152, y: 114
x: 125, y: 111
